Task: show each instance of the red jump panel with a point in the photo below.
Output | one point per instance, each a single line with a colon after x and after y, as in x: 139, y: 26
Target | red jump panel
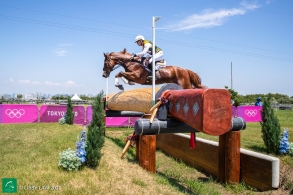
x: 207, y: 110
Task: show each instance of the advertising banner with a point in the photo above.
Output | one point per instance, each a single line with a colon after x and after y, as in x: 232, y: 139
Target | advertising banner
x: 248, y: 113
x: 252, y: 113
x: 117, y: 122
x: 51, y: 113
x: 132, y: 121
x: 112, y: 121
x: 88, y: 114
x: 18, y: 113
x: 79, y: 115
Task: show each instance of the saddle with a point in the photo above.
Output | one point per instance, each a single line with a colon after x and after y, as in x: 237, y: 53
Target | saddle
x: 162, y: 63
x: 159, y: 64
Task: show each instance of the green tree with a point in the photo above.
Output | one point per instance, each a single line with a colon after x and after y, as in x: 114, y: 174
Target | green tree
x: 95, y: 135
x: 19, y: 96
x: 69, y: 112
x: 234, y: 96
x: 270, y: 127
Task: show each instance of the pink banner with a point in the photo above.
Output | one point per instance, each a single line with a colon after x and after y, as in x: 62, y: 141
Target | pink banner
x: 112, y: 121
x: 248, y: 113
x: 51, y: 113
x: 79, y: 115
x: 117, y: 121
x: 88, y: 115
x: 133, y: 120
x: 252, y: 113
x: 18, y: 113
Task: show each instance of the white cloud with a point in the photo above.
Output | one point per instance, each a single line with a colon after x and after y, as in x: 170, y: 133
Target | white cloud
x: 65, y: 44
x: 11, y: 80
x: 210, y: 18
x: 29, y: 82
x: 249, y: 6
x: 52, y: 84
x: 61, y: 49
x: 68, y: 83
x: 269, y: 1
x: 60, y: 52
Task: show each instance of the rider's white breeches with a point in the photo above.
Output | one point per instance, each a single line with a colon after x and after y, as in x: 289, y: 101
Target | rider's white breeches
x: 158, y: 56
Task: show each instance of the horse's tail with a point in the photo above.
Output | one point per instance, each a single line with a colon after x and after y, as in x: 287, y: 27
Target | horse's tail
x: 195, y: 79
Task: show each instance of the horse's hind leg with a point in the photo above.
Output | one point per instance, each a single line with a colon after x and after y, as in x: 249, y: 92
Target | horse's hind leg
x: 126, y: 77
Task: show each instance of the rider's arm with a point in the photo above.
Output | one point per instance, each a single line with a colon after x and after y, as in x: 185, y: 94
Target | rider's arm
x: 145, y: 49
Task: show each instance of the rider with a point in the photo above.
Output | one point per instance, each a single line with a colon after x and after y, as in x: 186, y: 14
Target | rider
x: 147, y: 47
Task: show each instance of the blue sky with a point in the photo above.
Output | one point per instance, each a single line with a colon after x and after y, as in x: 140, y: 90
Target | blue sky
x: 57, y: 46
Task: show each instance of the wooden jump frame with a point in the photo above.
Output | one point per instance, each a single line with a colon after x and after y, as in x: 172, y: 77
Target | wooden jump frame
x: 226, y: 161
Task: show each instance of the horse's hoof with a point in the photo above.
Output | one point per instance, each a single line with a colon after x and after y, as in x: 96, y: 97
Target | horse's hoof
x: 131, y: 83
x: 120, y: 87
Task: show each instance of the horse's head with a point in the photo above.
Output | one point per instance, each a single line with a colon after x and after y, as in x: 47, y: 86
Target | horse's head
x: 112, y: 59
x: 109, y: 64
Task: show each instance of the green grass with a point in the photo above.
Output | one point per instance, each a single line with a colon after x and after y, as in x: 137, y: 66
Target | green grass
x: 30, y: 153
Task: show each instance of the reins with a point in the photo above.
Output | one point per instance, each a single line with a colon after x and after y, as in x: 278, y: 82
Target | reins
x: 116, y: 65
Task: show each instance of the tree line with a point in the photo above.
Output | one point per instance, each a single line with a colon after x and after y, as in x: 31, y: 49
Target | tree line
x: 276, y: 98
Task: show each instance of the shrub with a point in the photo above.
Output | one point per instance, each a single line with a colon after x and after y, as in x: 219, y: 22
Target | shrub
x: 69, y: 161
x: 69, y: 112
x: 95, y: 136
x: 62, y: 120
x: 270, y: 127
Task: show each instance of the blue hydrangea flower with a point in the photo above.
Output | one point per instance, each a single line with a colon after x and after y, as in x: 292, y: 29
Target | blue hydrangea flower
x: 81, y: 145
x: 284, y: 144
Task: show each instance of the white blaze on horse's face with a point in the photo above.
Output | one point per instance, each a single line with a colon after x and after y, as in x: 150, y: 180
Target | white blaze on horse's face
x: 106, y: 71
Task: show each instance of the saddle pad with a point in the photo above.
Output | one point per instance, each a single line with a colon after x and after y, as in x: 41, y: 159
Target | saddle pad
x: 206, y: 110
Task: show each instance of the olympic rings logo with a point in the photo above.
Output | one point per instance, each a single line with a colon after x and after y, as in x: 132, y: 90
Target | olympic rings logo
x: 251, y: 113
x: 14, y: 113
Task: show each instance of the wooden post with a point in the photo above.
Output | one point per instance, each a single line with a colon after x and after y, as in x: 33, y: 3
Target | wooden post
x: 147, y: 152
x: 232, y: 157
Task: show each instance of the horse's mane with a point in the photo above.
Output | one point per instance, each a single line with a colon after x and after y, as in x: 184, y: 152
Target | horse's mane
x: 120, y: 54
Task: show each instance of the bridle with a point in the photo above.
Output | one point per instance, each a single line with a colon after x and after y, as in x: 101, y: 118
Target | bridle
x: 109, y: 65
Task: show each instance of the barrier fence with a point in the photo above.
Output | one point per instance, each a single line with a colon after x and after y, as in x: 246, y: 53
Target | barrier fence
x: 248, y: 113
x: 29, y: 113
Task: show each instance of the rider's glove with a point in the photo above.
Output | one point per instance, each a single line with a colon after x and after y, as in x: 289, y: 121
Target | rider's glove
x: 133, y: 55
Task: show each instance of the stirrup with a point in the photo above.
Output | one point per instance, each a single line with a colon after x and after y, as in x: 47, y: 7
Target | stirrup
x: 151, y: 76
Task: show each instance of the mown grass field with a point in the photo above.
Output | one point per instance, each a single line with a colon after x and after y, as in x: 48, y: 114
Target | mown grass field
x: 30, y: 153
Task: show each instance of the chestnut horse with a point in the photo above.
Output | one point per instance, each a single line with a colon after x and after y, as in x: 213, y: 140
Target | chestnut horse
x: 135, y: 72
